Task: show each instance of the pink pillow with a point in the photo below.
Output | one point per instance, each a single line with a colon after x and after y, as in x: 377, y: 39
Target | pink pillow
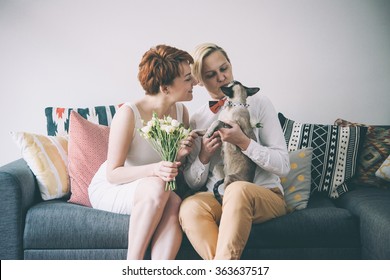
x: 87, y: 150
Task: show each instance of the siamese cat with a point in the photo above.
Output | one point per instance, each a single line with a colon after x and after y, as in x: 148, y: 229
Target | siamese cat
x: 236, y: 165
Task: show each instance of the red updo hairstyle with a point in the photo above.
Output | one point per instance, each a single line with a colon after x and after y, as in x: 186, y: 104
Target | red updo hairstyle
x: 160, y: 66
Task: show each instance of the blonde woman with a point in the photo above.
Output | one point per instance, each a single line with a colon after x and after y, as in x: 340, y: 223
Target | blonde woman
x: 221, y: 231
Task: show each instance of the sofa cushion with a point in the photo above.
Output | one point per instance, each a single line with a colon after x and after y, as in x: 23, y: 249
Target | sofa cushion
x: 57, y: 224
x: 47, y: 157
x: 75, y: 254
x: 335, y: 152
x: 59, y: 230
x: 87, y: 150
x: 57, y: 118
x: 372, y: 207
x: 320, y: 225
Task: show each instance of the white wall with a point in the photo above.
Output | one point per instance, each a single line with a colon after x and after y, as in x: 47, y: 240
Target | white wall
x: 316, y: 60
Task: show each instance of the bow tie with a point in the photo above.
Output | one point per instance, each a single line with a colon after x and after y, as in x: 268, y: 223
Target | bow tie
x: 216, y: 105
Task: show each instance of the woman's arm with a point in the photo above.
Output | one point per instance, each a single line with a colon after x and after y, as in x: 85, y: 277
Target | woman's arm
x: 198, y: 162
x: 187, y: 144
x: 196, y: 172
x: 120, y: 141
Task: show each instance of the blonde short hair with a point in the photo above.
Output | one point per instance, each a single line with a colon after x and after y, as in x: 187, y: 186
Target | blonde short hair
x: 200, y: 53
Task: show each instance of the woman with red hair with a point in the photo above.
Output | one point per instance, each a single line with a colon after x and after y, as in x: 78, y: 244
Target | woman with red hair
x: 132, y: 180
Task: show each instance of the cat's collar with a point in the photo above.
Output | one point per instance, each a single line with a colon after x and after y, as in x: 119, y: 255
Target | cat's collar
x: 235, y: 104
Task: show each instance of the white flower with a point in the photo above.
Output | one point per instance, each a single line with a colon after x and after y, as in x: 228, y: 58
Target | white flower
x: 169, y: 129
x: 165, y: 135
x: 185, y: 131
x: 175, y: 123
x: 146, y: 129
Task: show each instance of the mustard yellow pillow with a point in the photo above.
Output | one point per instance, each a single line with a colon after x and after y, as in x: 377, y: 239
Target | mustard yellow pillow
x: 47, y: 157
x: 297, y: 183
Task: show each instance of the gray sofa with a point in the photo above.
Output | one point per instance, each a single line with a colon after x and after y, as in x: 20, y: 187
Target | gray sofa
x: 355, y: 226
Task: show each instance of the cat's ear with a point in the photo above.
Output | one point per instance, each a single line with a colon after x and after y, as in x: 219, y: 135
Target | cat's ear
x: 228, y: 91
x: 251, y: 91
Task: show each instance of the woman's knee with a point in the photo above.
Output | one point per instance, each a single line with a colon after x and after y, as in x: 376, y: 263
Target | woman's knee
x: 187, y: 206
x: 190, y: 210
x: 152, y: 190
x: 240, y: 194
x: 237, y: 189
x: 174, y: 203
x: 199, y: 206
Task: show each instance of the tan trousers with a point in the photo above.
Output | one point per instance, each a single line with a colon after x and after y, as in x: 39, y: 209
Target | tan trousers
x: 221, y: 232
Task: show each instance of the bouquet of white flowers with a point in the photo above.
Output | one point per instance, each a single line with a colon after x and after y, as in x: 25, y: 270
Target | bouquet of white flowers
x: 165, y: 135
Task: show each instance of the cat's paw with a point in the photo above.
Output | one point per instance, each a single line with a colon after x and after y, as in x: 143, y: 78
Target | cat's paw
x: 209, y: 132
x: 200, y: 132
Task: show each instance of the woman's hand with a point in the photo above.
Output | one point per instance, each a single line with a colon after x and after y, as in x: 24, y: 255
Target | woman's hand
x: 186, y: 146
x: 166, y: 170
x: 209, y: 146
x: 234, y: 135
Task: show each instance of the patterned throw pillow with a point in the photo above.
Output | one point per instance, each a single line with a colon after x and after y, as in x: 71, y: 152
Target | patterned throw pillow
x: 87, y: 150
x: 57, y: 118
x: 335, y: 152
x: 384, y: 170
x: 297, y: 183
x: 375, y: 150
x: 47, y: 157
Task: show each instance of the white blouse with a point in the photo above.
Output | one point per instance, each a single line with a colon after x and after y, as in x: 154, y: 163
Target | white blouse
x: 269, y: 151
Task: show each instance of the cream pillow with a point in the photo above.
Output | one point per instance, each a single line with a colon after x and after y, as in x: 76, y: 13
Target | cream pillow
x: 384, y: 170
x: 47, y: 157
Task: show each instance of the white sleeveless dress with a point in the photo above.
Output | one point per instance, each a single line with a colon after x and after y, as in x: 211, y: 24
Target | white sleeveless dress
x: 118, y: 198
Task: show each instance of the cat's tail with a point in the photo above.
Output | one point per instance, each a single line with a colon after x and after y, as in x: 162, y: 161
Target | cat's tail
x: 216, y: 192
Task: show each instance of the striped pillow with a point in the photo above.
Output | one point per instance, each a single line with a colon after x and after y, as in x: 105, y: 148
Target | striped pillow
x: 47, y: 157
x: 57, y: 118
x: 335, y: 152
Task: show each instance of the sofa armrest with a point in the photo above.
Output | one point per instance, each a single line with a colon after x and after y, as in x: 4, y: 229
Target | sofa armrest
x: 18, y: 192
